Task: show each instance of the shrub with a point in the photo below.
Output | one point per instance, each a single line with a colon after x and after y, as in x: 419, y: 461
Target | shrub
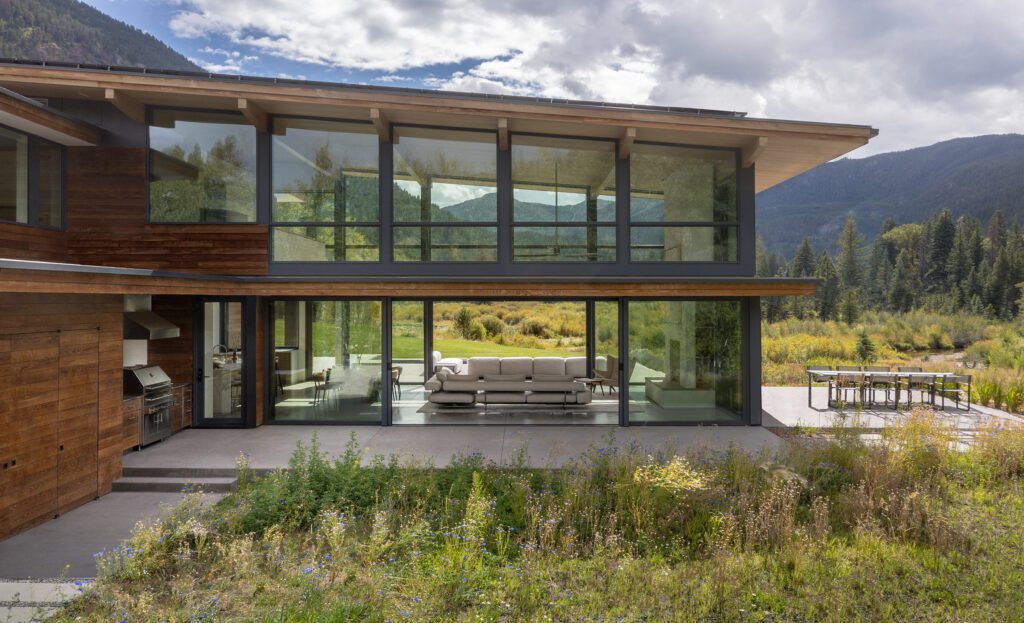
x: 493, y: 325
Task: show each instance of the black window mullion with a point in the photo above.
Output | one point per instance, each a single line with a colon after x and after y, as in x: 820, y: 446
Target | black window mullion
x: 32, y: 179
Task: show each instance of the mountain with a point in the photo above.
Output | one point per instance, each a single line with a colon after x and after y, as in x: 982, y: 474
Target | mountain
x: 68, y: 30
x: 971, y: 176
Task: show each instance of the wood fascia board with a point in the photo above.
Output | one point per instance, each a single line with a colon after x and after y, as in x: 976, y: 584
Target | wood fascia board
x: 17, y: 280
x: 753, y: 150
x: 37, y: 120
x: 413, y: 101
x: 503, y: 143
x: 128, y: 105
x: 380, y: 121
x: 254, y: 114
x: 626, y: 143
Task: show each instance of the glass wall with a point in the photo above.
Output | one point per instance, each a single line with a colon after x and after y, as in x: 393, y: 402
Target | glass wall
x: 223, y: 381
x: 202, y: 168
x: 685, y: 361
x: 563, y: 200
x: 13, y: 176
x: 326, y: 191
x: 606, y: 348
x: 682, y: 204
x: 445, y: 195
x: 327, y: 361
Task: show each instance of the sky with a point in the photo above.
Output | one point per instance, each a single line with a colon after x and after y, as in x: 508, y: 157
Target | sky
x: 920, y: 71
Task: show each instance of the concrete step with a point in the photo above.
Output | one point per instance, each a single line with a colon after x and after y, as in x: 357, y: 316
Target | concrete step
x: 179, y: 472
x: 33, y: 601
x: 173, y: 484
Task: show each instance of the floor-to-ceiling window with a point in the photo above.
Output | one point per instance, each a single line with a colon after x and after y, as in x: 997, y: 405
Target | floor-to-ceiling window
x: 445, y: 195
x: 563, y: 199
x: 685, y: 361
x: 326, y: 206
x: 682, y: 204
x: 327, y: 361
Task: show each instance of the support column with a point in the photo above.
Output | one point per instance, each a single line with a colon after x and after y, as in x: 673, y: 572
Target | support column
x: 752, y: 369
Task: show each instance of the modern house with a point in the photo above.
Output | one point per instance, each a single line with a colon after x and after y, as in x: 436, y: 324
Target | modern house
x: 195, y: 250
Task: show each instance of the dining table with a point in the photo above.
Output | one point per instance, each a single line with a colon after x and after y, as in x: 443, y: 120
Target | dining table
x: 827, y: 376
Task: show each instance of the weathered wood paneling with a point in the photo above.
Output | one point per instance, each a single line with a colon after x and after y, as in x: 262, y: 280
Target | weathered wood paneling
x: 60, y: 359
x: 107, y: 223
x: 174, y: 355
x: 21, y: 242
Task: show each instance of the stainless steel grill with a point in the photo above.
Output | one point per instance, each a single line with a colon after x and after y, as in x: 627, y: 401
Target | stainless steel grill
x: 154, y: 386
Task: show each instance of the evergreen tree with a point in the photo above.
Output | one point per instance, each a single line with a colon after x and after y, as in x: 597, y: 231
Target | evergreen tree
x: 828, y: 292
x: 848, y: 262
x: 849, y: 306
x: 866, y: 352
x: 996, y: 234
x: 1000, y: 287
x: 905, y: 283
x: 940, y: 245
x: 803, y: 262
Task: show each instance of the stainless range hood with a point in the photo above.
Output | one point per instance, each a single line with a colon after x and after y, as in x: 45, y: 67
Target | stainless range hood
x: 140, y: 323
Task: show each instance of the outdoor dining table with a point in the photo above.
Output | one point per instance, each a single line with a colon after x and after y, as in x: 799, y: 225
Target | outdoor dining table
x: 814, y: 375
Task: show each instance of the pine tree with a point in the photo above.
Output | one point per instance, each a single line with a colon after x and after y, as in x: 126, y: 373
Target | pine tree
x: 828, y: 292
x: 999, y: 289
x: 905, y: 284
x: 803, y: 262
x: 849, y: 306
x: 866, y: 352
x: 943, y: 231
x: 996, y: 234
x: 848, y: 262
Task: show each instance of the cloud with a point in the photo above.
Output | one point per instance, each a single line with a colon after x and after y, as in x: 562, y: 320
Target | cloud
x: 920, y: 70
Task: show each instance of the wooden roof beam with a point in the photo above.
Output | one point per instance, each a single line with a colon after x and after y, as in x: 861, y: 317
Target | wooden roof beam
x: 753, y: 150
x: 626, y: 143
x: 128, y: 105
x: 254, y: 114
x: 29, y: 116
x: 503, y: 134
x: 381, y: 123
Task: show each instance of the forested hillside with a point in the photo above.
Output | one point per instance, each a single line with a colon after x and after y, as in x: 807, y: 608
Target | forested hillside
x: 968, y: 176
x: 68, y: 30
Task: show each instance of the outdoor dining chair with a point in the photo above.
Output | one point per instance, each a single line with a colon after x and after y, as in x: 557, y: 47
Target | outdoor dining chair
x: 813, y: 376
x: 849, y: 379
x: 957, y: 387
x: 915, y: 379
x: 880, y: 378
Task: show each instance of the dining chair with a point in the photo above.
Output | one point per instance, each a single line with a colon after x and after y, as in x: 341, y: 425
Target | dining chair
x: 396, y: 379
x: 880, y: 378
x: 957, y: 387
x: 850, y: 379
x: 922, y: 382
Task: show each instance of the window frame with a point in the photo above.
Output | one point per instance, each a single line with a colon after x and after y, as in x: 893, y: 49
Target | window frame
x: 394, y: 223
x: 262, y: 155
x: 32, y: 177
x: 272, y: 224
x: 734, y: 225
x: 613, y: 224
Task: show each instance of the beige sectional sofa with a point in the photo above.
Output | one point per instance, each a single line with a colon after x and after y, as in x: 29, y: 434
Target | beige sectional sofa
x: 512, y: 380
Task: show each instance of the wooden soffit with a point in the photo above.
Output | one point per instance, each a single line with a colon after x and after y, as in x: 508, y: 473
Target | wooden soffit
x: 32, y: 117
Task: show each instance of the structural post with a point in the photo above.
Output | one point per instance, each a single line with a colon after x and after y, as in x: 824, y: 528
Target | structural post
x: 752, y: 397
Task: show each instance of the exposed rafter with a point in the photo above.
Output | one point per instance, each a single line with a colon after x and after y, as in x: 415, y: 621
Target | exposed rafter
x: 381, y: 123
x: 254, y: 114
x: 128, y: 105
x: 753, y: 150
x: 626, y: 142
x: 503, y: 134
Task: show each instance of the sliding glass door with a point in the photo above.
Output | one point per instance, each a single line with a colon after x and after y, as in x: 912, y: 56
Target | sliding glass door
x: 223, y: 359
x: 327, y: 360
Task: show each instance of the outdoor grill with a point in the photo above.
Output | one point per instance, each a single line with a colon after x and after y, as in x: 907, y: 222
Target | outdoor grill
x: 154, y: 386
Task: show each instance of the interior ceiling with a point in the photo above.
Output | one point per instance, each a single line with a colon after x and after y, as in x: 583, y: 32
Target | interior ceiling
x: 790, y: 148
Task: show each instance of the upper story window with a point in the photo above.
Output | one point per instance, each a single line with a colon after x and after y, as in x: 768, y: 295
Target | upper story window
x: 682, y: 204
x: 31, y: 180
x: 202, y: 168
x: 563, y: 199
x: 325, y: 191
x: 445, y: 195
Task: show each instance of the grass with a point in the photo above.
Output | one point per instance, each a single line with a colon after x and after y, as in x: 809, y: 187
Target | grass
x: 902, y: 529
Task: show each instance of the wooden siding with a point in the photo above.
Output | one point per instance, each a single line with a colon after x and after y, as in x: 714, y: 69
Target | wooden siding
x: 21, y: 242
x: 174, y: 355
x: 108, y: 226
x: 60, y: 358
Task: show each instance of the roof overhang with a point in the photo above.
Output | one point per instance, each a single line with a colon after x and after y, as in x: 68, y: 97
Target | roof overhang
x: 32, y: 117
x: 61, y: 278
x: 780, y: 149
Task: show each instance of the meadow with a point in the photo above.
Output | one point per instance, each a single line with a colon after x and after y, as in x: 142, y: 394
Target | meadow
x: 992, y: 352
x: 902, y: 529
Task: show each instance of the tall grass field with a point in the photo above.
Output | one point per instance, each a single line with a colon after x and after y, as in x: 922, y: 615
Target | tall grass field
x: 904, y: 528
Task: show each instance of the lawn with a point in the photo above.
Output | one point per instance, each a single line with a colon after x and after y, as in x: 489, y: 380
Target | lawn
x: 901, y: 529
